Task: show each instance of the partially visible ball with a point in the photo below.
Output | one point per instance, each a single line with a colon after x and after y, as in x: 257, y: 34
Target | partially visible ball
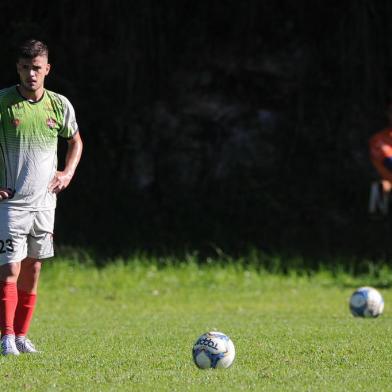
x: 366, y: 302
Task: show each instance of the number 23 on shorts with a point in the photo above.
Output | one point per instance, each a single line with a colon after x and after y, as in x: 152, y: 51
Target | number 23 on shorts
x: 6, y: 246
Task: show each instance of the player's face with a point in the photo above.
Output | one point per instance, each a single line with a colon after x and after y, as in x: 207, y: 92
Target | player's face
x: 32, y: 72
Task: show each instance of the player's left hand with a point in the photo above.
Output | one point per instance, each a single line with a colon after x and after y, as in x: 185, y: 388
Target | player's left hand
x: 59, y: 182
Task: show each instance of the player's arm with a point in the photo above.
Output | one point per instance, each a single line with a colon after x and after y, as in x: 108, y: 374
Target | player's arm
x: 62, y: 178
x: 5, y: 193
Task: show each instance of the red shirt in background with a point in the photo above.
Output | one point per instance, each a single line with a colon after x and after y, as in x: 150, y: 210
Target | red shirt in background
x: 380, y: 145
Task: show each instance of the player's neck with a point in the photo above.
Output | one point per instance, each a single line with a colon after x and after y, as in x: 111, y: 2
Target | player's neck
x: 30, y: 95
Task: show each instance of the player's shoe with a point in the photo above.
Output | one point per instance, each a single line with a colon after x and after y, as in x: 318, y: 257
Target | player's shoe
x: 25, y: 345
x: 8, y: 345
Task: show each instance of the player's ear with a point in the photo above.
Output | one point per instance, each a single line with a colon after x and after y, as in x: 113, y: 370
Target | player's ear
x: 47, y: 68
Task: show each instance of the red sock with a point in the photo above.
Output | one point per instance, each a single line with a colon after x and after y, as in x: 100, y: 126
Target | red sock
x: 8, y: 302
x: 24, y: 312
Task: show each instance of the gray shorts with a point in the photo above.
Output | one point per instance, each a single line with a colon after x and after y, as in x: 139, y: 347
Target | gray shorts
x: 25, y: 234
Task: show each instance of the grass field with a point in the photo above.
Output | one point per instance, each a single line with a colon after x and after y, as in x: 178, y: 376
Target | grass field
x: 131, y: 327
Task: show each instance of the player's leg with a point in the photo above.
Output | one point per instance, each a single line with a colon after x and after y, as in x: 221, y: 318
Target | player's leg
x: 8, y: 304
x: 379, y: 198
x: 27, y: 296
x: 29, y: 275
x: 40, y: 246
x: 8, y: 296
x: 13, y: 248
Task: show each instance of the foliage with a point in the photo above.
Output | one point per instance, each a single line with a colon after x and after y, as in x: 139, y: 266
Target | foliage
x: 237, y: 123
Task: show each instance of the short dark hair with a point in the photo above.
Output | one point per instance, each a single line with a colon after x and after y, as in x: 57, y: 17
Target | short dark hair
x: 32, y: 48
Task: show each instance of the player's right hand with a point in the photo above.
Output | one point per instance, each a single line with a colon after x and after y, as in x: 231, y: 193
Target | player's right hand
x: 6, y: 193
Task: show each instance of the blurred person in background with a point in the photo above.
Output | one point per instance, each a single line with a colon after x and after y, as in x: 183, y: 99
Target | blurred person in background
x: 380, y: 145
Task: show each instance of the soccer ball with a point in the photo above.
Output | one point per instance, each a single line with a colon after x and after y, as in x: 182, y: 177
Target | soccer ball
x: 213, y: 350
x: 366, y: 302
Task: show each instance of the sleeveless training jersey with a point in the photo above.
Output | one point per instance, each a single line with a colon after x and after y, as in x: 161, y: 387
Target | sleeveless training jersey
x: 28, y: 146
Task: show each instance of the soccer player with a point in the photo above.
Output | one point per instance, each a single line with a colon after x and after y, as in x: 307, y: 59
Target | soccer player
x: 380, y: 145
x: 31, y: 120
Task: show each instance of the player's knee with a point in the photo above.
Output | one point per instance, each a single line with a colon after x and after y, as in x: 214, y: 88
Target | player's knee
x: 35, y: 267
x: 31, y: 266
x: 9, y: 272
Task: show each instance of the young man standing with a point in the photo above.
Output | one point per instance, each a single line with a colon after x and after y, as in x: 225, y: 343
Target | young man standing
x: 31, y: 120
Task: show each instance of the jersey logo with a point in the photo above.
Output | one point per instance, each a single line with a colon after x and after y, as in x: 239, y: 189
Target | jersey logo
x: 51, y: 123
x: 15, y: 122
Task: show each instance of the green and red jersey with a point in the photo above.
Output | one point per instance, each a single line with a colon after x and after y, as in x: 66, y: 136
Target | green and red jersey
x: 29, y: 134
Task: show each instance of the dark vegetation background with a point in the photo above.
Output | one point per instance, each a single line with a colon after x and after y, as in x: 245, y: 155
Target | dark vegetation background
x: 217, y: 125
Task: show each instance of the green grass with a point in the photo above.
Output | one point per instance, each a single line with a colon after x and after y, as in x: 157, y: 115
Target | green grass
x: 132, y: 327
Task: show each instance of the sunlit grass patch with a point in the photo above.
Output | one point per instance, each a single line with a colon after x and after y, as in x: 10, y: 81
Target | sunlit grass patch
x: 131, y: 326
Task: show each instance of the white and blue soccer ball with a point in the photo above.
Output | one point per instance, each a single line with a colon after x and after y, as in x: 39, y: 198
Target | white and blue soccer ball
x: 366, y: 302
x: 213, y: 350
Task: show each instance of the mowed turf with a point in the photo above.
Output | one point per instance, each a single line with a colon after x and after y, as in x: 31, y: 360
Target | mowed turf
x: 131, y: 327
